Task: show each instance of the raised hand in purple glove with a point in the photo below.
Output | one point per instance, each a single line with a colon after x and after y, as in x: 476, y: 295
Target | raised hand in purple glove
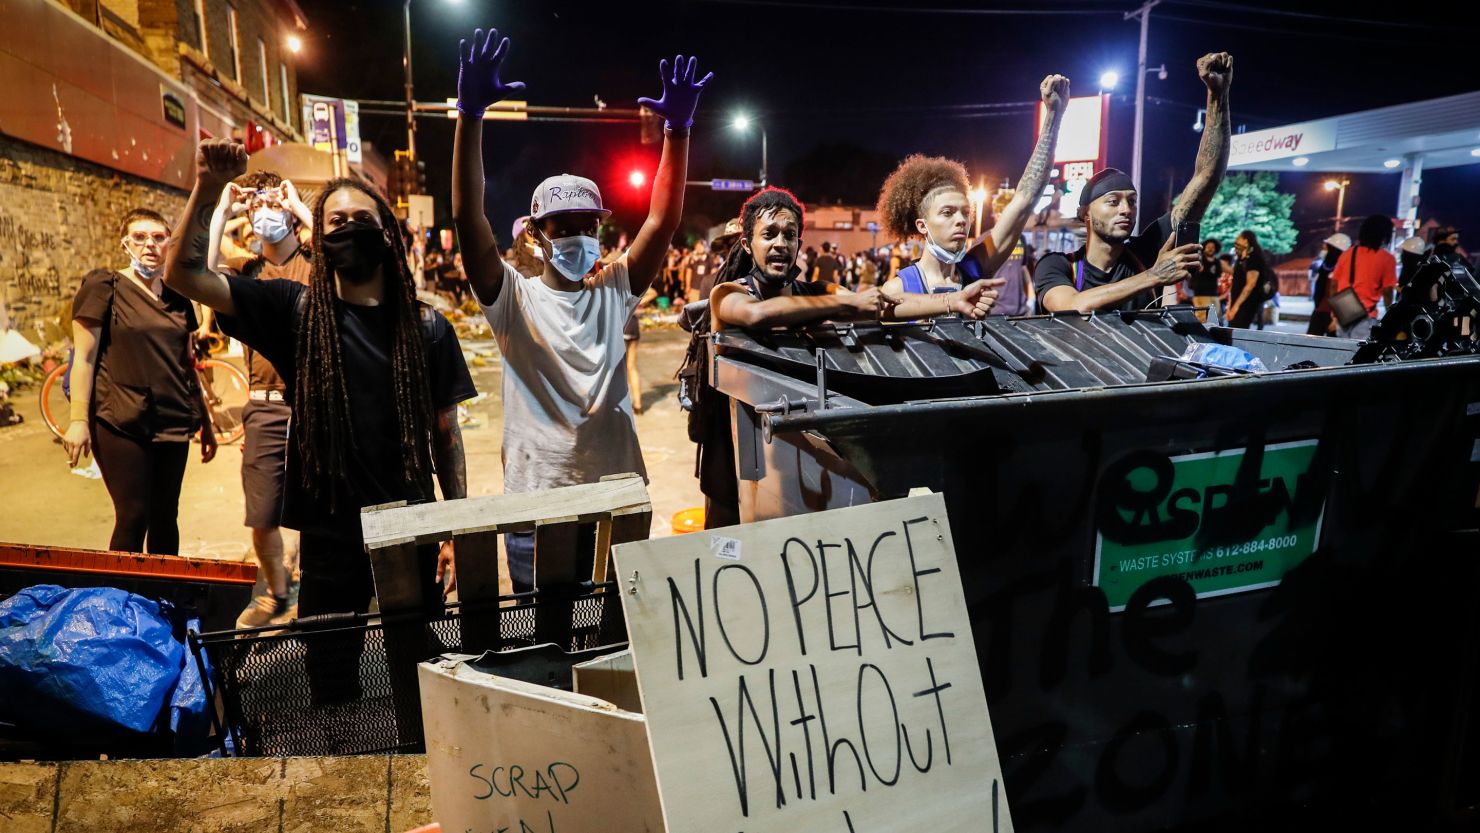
x: 680, y: 92
x: 479, y: 62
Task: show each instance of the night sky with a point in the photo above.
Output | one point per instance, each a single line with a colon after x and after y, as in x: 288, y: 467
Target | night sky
x: 847, y: 89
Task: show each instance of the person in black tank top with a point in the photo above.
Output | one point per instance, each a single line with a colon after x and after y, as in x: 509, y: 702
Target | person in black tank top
x: 927, y: 197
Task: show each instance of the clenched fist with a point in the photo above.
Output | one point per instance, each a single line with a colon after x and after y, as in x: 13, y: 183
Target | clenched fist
x: 218, y: 161
x: 1216, y: 71
x: 1055, y: 92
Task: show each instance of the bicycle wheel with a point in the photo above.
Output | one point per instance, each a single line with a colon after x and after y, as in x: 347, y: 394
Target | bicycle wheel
x: 226, y: 390
x: 56, y: 409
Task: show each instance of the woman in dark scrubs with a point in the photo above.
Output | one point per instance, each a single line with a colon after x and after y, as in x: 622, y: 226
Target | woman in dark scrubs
x: 136, y: 399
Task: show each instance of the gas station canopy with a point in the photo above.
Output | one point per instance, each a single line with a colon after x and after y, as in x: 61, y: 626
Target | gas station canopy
x: 1403, y: 139
x: 1441, y: 133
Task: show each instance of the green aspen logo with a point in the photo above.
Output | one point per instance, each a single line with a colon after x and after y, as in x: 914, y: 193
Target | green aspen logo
x: 1224, y: 521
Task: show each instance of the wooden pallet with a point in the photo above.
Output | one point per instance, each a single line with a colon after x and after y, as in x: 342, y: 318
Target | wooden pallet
x: 618, y: 506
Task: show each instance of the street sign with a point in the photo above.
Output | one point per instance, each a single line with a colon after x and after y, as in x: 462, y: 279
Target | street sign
x: 732, y: 184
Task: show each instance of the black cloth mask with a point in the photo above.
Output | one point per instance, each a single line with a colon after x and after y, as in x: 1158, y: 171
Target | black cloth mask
x: 355, y: 250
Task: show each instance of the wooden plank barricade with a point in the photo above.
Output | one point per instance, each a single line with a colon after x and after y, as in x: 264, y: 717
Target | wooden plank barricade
x: 809, y: 673
x: 572, y: 526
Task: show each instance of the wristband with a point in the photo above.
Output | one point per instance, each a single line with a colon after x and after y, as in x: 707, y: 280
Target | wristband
x: 478, y: 114
x: 675, y: 132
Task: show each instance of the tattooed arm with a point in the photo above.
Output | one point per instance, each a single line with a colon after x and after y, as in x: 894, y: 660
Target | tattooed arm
x: 452, y: 474
x: 447, y: 449
x: 1216, y: 71
x: 1055, y: 93
x: 217, y: 162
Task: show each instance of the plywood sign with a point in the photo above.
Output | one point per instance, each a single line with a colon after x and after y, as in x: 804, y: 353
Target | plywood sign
x: 504, y: 756
x: 813, y: 673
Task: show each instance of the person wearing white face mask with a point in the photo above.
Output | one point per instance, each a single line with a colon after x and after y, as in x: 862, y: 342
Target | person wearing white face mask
x: 278, y: 229
x: 928, y: 197
x: 568, y: 415
x: 136, y: 400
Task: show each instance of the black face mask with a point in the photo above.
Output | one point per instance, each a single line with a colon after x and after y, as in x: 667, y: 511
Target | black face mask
x: 355, y: 250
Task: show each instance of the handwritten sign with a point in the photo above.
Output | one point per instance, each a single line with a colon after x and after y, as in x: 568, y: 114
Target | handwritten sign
x: 504, y: 756
x: 819, y: 674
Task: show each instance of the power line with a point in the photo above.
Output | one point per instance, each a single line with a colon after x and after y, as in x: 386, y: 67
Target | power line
x: 858, y: 7
x: 1306, y: 32
x: 908, y: 108
x: 1242, y: 7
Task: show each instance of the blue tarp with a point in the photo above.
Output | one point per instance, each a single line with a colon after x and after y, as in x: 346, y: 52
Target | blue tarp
x: 76, y: 661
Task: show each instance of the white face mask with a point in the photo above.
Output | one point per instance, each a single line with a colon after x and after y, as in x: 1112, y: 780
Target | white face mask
x: 145, y: 272
x: 941, y: 253
x: 574, y: 256
x: 272, y: 226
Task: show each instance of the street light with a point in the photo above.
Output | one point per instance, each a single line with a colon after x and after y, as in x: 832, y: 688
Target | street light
x: 741, y: 123
x: 1109, y: 79
x: 979, y: 202
x: 1339, y: 186
x: 406, y: 65
x: 295, y: 44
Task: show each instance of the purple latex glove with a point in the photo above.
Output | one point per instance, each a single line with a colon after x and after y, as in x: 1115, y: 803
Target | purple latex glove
x: 479, y: 62
x: 680, y: 92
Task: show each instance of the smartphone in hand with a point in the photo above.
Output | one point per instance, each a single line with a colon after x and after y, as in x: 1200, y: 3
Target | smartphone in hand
x: 1187, y: 232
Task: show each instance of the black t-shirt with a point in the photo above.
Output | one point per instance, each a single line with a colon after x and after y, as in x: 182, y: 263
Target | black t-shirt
x: 1252, y: 266
x: 267, y: 321
x: 1204, y: 281
x: 145, y: 385
x: 1140, y: 253
x: 827, y: 268
x: 297, y: 268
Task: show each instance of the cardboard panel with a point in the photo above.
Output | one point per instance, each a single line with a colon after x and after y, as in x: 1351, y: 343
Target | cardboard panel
x: 508, y: 755
x: 813, y: 673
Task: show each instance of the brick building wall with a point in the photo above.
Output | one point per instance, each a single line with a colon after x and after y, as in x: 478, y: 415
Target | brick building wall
x: 58, y: 221
x: 255, y: 19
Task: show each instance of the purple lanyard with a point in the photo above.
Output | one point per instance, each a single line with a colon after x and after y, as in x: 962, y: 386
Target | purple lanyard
x: 1079, y: 275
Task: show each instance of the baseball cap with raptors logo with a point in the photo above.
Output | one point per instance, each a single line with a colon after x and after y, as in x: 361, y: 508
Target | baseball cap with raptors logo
x: 564, y: 194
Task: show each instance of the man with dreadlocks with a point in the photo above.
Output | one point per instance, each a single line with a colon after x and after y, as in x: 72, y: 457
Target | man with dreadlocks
x: 927, y: 196
x: 374, y: 377
x: 568, y: 415
x: 758, y: 286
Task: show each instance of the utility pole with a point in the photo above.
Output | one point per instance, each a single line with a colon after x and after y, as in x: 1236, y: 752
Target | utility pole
x: 1144, y: 14
x: 411, y: 101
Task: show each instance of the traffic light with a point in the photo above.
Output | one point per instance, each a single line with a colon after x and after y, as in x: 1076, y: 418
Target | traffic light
x: 408, y: 177
x: 393, y: 181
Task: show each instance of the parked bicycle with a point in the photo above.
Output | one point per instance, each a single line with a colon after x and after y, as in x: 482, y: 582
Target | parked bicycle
x: 225, y: 385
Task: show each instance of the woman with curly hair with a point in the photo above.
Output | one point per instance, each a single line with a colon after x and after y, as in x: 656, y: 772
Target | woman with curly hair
x: 926, y: 196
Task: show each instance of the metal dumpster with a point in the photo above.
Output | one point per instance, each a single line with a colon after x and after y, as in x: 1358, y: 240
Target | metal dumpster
x: 1235, y: 602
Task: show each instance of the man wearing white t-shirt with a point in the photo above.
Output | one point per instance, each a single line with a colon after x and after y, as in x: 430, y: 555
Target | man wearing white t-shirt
x: 567, y: 407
